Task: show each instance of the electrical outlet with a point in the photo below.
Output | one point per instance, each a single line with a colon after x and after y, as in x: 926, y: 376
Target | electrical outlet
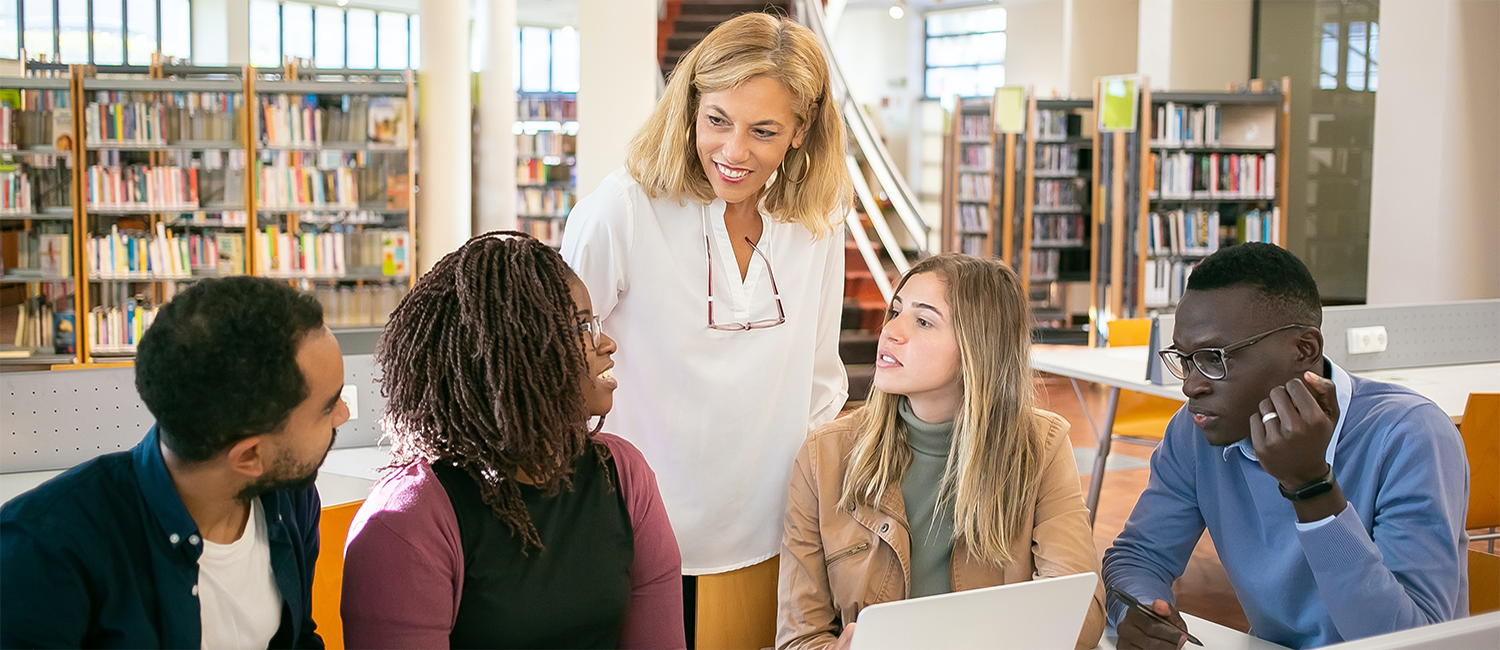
x: 1366, y: 340
x: 350, y: 395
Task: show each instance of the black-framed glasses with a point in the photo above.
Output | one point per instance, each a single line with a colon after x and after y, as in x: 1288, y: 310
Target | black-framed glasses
x: 593, y: 328
x: 752, y: 325
x: 1210, y: 362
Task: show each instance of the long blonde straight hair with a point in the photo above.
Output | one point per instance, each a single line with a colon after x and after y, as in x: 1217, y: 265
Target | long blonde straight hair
x: 996, y: 454
x: 663, y: 155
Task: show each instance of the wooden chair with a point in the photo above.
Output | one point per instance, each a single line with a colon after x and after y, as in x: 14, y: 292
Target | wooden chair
x: 1139, y: 418
x: 1484, y: 582
x: 737, y: 610
x: 328, y: 576
x: 1480, y: 429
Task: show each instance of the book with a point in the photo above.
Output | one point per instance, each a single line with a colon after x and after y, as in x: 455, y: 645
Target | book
x: 62, y: 129
x: 387, y: 116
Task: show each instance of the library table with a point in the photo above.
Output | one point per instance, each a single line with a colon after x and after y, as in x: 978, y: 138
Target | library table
x: 1124, y: 368
x: 1213, y: 636
x: 346, y: 477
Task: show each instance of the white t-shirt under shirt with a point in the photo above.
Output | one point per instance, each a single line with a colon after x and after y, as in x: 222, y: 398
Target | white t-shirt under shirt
x: 237, y: 595
x: 718, y: 414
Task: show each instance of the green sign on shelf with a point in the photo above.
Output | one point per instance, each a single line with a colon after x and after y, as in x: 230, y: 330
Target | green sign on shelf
x: 1010, y: 109
x: 1118, y: 96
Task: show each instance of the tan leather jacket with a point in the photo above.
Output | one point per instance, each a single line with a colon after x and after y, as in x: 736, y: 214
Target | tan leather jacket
x: 835, y: 562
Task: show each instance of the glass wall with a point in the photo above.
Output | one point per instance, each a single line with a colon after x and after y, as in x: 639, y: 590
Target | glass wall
x: 1331, y: 51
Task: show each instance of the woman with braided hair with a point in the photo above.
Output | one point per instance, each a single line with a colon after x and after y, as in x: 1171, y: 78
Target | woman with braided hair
x: 506, y: 519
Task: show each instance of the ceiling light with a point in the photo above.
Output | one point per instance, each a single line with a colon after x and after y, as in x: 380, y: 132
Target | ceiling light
x: 897, y: 12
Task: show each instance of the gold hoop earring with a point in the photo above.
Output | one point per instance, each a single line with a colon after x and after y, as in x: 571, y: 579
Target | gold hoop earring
x: 806, y: 167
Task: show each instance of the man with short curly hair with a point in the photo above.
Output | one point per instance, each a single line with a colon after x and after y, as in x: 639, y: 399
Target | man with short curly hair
x: 206, y: 533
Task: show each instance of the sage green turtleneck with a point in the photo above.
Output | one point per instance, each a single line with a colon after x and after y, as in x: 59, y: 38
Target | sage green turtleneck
x: 931, y: 530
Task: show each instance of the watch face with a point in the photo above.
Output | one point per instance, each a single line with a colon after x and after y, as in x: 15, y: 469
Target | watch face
x: 1310, y: 490
x: 1316, y: 489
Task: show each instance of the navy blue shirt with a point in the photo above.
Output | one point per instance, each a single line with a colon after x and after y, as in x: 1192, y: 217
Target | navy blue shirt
x: 106, y: 556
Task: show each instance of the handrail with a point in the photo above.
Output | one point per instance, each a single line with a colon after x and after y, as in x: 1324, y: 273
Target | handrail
x: 883, y: 229
x: 810, y: 14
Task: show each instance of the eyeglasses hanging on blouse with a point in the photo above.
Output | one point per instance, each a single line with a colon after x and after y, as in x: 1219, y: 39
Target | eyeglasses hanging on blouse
x: 740, y: 327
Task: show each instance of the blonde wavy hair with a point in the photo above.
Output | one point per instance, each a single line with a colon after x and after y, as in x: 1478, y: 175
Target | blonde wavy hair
x: 663, y: 155
x: 995, y: 461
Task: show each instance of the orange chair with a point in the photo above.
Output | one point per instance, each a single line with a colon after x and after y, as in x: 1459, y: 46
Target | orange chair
x: 1139, y: 418
x: 1484, y: 582
x: 328, y: 576
x: 737, y: 609
x: 1480, y: 429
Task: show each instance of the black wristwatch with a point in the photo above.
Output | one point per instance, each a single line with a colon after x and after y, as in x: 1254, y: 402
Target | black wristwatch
x: 1316, y: 488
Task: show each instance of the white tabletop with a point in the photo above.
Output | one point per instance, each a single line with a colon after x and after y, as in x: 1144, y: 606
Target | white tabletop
x: 1213, y: 636
x: 1125, y: 367
x: 1122, y: 367
x: 346, y: 476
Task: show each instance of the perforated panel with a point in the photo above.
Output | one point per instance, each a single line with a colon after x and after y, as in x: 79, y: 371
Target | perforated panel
x: 1417, y: 335
x: 55, y: 420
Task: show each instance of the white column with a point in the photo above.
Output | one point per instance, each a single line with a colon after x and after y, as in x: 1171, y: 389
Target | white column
x: 444, y: 197
x: 1100, y: 40
x: 1435, y: 199
x: 1035, y: 46
x: 497, y: 116
x: 617, y: 82
x: 1194, y: 44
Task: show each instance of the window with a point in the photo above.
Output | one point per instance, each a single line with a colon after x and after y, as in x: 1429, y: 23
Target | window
x: 360, y: 42
x: 965, y: 53
x: 297, y: 30
x: 544, y: 60
x: 328, y: 47
x: 265, y: 34
x: 1355, y: 44
x: 100, y: 32
x: 332, y: 37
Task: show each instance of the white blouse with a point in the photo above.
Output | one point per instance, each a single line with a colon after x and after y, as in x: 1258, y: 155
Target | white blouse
x: 720, y: 415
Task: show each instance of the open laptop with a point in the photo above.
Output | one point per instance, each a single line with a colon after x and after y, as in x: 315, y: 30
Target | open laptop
x: 1036, y: 615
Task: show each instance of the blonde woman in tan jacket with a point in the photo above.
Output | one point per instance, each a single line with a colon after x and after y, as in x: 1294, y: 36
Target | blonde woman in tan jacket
x: 947, y: 479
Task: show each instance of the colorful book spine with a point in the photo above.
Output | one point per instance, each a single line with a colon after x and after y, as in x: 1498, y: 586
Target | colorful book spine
x: 138, y: 187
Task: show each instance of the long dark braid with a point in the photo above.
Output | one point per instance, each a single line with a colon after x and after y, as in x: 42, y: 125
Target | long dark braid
x: 481, y: 365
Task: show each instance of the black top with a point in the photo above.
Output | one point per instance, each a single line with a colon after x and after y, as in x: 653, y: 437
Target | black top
x: 106, y: 556
x: 571, y: 594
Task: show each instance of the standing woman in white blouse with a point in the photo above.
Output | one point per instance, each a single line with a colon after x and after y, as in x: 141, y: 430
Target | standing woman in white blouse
x: 715, y: 259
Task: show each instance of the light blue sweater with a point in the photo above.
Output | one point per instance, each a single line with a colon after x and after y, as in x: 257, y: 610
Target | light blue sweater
x: 1395, y: 558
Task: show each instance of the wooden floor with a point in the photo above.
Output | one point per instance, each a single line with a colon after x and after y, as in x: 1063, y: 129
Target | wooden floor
x: 1203, y: 590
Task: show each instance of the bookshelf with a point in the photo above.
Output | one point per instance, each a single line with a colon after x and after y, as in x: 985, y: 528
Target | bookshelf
x: 546, y: 133
x: 1204, y: 170
x: 162, y: 181
x: 334, y: 192
x: 1026, y: 199
x: 38, y: 262
x: 193, y: 172
x: 1055, y: 241
x: 971, y: 199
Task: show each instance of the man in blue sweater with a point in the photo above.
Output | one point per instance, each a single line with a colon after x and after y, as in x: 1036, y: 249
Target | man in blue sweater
x: 1336, y: 503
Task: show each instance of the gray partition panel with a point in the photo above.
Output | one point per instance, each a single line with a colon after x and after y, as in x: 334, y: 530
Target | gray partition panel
x: 55, y: 420
x: 1436, y: 334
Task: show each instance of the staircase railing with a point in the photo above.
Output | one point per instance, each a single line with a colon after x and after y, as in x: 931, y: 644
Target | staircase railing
x: 868, y: 149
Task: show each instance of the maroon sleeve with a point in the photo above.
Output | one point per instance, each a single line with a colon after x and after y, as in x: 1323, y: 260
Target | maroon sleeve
x: 403, y: 565
x: 654, y: 617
